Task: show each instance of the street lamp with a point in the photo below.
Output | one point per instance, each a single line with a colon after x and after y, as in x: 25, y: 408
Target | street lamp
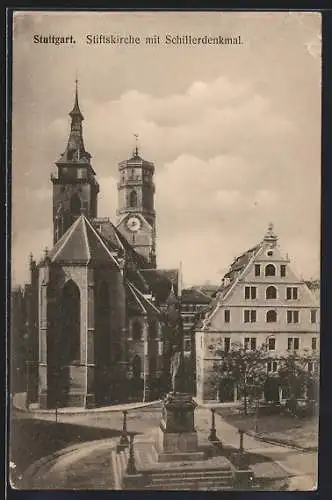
x: 131, y: 466
x: 124, y: 441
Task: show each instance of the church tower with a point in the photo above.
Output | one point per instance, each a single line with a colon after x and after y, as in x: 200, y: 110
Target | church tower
x: 75, y: 189
x: 136, y: 213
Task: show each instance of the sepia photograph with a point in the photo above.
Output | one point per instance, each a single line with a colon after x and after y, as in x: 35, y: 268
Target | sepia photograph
x: 165, y: 250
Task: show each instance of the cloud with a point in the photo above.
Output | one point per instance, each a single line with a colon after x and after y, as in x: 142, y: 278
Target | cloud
x: 203, y: 120
x: 235, y: 137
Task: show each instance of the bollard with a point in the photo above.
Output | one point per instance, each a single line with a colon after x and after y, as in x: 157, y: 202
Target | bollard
x: 131, y: 467
x: 124, y: 441
x: 213, y: 436
x: 243, y: 465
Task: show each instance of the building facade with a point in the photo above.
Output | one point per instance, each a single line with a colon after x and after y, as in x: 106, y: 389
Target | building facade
x: 262, y: 301
x: 96, y: 302
x: 193, y: 302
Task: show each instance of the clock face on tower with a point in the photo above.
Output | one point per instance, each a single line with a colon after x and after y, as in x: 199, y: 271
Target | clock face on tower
x: 133, y: 224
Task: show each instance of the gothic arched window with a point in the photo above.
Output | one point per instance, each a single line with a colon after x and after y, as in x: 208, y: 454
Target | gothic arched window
x: 271, y: 292
x: 270, y: 270
x: 71, y: 321
x: 133, y: 199
x: 75, y: 204
x: 271, y: 316
x: 59, y: 222
x: 137, y: 330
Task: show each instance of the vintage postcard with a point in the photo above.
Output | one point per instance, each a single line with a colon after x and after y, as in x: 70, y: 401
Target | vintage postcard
x: 165, y: 299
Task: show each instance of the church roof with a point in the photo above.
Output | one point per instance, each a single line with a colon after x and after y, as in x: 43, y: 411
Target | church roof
x: 109, y: 232
x: 116, y: 240
x: 161, y: 282
x: 136, y: 160
x: 209, y: 290
x: 81, y: 244
x: 145, y: 305
x: 194, y: 296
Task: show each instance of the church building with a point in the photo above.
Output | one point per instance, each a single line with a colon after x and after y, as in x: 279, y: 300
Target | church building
x: 101, y: 304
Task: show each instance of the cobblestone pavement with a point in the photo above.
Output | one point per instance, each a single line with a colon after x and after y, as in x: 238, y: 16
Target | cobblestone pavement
x: 295, y: 462
x: 87, y: 465
x: 84, y: 466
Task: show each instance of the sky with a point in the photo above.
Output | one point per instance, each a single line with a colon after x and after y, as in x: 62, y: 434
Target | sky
x: 234, y: 130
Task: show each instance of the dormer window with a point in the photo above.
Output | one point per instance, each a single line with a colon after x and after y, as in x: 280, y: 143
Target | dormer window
x: 291, y: 293
x: 271, y: 316
x: 270, y: 270
x: 271, y: 292
x: 313, y: 316
x: 227, y: 315
x: 250, y: 292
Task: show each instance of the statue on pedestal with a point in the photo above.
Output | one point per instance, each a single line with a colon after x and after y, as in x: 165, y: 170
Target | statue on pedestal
x: 177, y: 370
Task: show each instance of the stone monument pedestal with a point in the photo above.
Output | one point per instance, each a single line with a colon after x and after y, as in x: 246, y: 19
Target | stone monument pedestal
x: 176, y: 438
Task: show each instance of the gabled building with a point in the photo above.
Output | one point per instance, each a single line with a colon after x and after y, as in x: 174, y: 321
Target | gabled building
x: 262, y: 301
x: 96, y: 300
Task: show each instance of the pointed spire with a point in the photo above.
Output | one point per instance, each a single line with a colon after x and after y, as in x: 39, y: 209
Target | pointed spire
x: 76, y: 109
x: 75, y: 150
x: 172, y: 298
x: 31, y: 262
x: 180, y: 281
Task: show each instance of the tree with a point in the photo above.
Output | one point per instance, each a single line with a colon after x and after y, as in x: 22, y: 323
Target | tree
x: 299, y: 374
x: 247, y: 369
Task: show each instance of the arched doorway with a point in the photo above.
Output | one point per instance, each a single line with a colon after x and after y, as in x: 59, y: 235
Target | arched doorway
x: 69, y: 345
